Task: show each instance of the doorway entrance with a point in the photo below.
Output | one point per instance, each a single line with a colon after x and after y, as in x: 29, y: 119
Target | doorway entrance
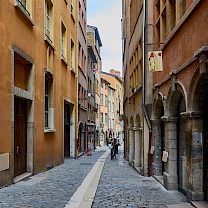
x: 20, y: 136
x: 66, y: 130
x: 205, y: 148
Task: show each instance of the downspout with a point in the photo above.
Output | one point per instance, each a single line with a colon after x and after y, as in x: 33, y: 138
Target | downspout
x: 143, y: 84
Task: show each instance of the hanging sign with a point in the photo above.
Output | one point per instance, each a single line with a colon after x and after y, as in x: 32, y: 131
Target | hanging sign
x: 155, y: 61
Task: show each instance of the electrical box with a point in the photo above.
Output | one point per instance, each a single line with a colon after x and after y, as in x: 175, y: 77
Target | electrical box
x: 198, y: 138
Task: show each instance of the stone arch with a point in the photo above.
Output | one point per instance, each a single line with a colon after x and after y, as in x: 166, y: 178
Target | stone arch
x: 175, y: 143
x: 192, y: 90
x: 173, y: 98
x: 199, y: 117
x: 80, y: 141
x: 138, y: 117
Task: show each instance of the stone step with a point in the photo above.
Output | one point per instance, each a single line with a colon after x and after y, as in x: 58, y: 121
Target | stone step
x: 200, y: 204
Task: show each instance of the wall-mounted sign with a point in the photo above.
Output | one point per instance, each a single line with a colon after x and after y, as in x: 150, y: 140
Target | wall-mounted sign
x: 155, y: 61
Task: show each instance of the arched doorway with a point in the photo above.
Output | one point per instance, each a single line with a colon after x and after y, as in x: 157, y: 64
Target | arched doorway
x: 177, y: 142
x: 158, y: 139
x: 200, y: 107
x: 205, y: 147
x: 80, y: 142
x: 131, y: 141
x: 137, y: 144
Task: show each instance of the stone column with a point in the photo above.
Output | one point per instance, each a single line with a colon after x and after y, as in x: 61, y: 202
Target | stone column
x: 156, y: 142
x: 194, y: 130
x: 170, y: 174
x: 131, y: 145
x: 138, y: 146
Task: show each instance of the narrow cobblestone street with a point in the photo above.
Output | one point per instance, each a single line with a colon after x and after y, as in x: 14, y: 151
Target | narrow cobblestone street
x: 119, y: 186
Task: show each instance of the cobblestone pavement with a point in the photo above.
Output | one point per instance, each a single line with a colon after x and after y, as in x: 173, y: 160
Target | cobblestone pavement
x: 120, y: 186
x: 50, y: 189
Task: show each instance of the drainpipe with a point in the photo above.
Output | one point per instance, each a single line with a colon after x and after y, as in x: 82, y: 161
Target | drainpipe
x: 143, y: 84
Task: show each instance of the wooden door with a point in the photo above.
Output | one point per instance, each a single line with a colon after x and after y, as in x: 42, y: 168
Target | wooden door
x: 20, y: 136
x: 66, y: 130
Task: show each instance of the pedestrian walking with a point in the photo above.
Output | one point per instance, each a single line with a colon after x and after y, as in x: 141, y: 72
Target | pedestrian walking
x: 112, y: 148
x: 116, y: 146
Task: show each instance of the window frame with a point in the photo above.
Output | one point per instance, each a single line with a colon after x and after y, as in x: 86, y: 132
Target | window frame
x: 48, y: 22
x: 63, y: 42
x: 72, y: 61
x: 26, y: 10
x: 48, y: 102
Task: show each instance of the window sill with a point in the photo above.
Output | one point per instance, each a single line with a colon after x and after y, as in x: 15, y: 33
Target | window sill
x: 73, y: 71
x: 24, y: 14
x: 49, y: 130
x: 64, y: 60
x: 72, y: 15
x: 49, y: 41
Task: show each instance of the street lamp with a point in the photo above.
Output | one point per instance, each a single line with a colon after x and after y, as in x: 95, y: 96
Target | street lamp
x: 89, y: 93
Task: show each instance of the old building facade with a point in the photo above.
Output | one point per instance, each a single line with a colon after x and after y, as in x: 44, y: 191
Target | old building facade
x: 82, y: 77
x: 111, y: 105
x: 180, y: 97
x: 178, y: 104
x: 94, y: 40
x: 38, y: 89
x: 137, y: 84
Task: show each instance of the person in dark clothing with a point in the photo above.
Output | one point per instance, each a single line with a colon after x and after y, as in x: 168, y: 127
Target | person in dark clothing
x: 112, y: 148
x: 116, y: 145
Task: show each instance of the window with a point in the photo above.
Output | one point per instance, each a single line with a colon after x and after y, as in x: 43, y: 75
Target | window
x: 63, y: 41
x: 72, y: 56
x: 109, y: 106
x: 101, y: 117
x: 112, y: 93
x: 112, y: 107
x: 46, y: 103
x: 167, y: 17
x: 106, y: 118
x: 113, y: 123
x: 72, y: 6
x: 23, y: 3
x: 101, y: 99
x: 48, y: 21
x: 49, y: 101
x: 25, y: 7
x: 109, y: 123
x: 106, y: 100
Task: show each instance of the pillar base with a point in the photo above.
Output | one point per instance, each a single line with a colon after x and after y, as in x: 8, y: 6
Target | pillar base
x: 194, y: 196
x: 170, y: 181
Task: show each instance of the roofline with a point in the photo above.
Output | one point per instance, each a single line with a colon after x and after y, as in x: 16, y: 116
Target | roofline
x: 113, y: 75
x: 104, y: 80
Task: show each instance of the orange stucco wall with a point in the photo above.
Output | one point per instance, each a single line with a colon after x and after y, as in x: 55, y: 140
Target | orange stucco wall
x: 184, y: 43
x: 15, y: 30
